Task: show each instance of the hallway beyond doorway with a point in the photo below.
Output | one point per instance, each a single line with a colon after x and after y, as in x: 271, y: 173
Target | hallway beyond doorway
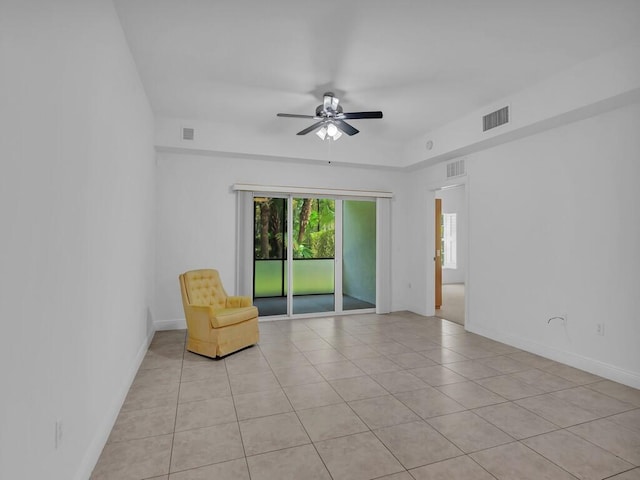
x: 452, y: 303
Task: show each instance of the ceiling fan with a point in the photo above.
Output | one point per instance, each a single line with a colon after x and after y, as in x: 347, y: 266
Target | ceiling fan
x: 331, y: 119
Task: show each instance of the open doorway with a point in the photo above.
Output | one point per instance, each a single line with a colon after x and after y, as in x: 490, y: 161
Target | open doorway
x: 451, y: 238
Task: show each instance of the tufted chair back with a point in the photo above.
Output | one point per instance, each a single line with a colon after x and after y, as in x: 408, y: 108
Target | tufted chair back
x: 203, y: 287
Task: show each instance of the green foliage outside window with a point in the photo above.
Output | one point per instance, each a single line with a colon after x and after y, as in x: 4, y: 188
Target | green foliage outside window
x: 313, y: 228
x: 323, y: 243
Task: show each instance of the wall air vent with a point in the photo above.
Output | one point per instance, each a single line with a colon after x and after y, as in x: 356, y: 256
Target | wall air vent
x: 188, y: 133
x: 455, y: 169
x: 495, y: 119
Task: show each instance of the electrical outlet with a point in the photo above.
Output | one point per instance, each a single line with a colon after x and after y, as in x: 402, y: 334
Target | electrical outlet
x: 58, y: 434
x: 600, y: 329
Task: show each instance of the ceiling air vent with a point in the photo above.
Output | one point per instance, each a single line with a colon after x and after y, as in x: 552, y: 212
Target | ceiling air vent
x: 455, y: 169
x: 188, y: 133
x: 495, y: 119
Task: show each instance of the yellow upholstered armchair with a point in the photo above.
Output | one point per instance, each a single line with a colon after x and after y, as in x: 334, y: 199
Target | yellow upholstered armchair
x: 217, y: 324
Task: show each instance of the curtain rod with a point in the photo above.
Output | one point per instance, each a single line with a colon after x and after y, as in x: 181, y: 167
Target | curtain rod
x: 247, y: 187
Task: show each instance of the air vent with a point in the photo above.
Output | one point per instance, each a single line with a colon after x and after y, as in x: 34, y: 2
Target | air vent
x: 188, y: 133
x: 495, y: 119
x: 455, y: 169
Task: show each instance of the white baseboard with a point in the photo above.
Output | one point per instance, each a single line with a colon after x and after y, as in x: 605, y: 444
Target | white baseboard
x: 591, y: 365
x: 104, y: 430
x: 172, y: 324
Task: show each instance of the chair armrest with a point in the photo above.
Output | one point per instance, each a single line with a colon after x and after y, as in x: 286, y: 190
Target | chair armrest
x: 235, y: 302
x: 199, y: 320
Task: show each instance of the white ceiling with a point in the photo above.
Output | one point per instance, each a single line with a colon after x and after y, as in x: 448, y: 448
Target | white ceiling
x: 423, y: 63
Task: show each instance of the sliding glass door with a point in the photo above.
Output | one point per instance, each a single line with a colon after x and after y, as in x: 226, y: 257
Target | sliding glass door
x: 358, y: 254
x: 332, y: 244
x: 270, y: 270
x: 313, y: 242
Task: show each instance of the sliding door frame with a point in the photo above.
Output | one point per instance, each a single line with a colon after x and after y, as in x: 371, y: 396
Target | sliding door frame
x: 244, y: 241
x: 337, y: 259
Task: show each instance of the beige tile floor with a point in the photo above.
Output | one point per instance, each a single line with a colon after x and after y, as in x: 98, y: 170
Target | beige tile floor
x: 394, y: 397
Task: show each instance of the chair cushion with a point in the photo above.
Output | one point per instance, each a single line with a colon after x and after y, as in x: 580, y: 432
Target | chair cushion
x: 230, y: 316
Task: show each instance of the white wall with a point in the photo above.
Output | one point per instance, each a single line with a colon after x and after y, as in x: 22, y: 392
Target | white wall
x: 76, y: 249
x: 197, y: 212
x: 372, y: 146
x: 454, y: 201
x: 554, y: 229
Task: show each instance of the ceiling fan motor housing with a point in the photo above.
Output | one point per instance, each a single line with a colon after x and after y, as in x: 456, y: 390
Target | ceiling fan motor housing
x: 329, y: 112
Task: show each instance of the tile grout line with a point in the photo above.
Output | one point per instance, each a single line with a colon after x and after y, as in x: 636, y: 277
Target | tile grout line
x: 175, y: 421
x: 548, y: 459
x: 235, y: 411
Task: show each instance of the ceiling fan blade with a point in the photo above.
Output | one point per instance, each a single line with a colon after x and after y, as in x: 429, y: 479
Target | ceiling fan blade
x: 355, y: 115
x: 345, y: 127
x: 311, y: 128
x: 294, y: 115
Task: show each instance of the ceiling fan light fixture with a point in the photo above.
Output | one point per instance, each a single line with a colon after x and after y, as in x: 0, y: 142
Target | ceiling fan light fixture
x: 322, y: 133
x: 330, y: 130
